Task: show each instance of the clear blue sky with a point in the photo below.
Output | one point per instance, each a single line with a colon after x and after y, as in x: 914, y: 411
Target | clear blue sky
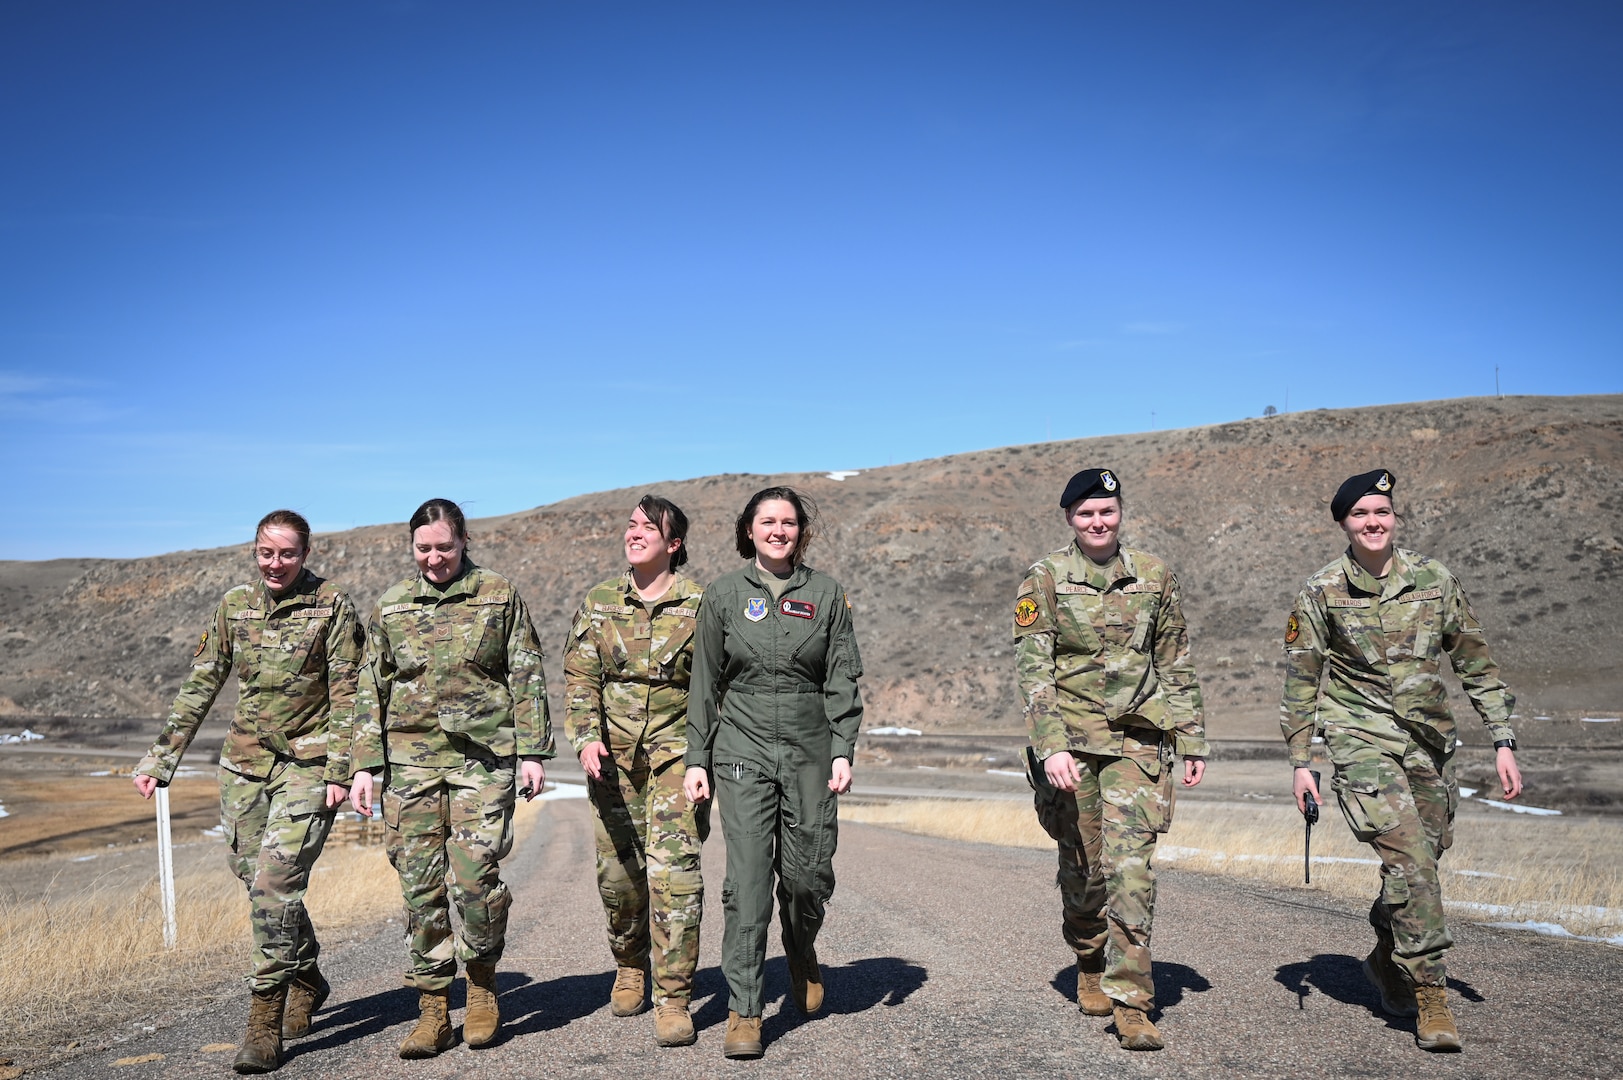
x: 347, y: 256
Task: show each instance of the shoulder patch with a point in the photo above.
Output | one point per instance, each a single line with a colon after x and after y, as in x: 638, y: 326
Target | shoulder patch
x: 1346, y: 601
x: 1025, y: 611
x: 1421, y: 594
x: 202, y: 643
x: 1293, y: 630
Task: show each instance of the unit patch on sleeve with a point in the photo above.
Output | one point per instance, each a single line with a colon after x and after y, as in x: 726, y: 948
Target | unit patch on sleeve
x: 1025, y: 611
x: 202, y: 644
x: 1293, y: 630
x: 800, y: 609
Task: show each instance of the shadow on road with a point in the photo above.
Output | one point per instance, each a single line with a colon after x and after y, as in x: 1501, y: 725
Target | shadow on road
x: 1172, y: 981
x: 356, y: 1019
x: 529, y: 1006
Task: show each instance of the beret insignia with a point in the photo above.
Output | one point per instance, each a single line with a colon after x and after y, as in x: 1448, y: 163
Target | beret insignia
x: 1107, y: 480
x: 1025, y: 611
x: 1384, y: 483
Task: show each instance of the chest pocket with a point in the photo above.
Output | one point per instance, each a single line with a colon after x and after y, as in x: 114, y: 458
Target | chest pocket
x: 1413, y: 624
x: 1359, y: 629
x: 1143, y: 602
x: 1079, y: 620
x: 304, y: 640
x: 489, y: 632
x: 408, y: 631
x: 247, y: 629
x: 672, y: 652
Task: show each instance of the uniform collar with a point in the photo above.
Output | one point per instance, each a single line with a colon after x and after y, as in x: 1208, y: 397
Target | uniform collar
x: 464, y: 584
x: 303, y: 592
x: 681, y: 588
x: 756, y: 576
x: 1084, y: 571
x: 1398, y: 578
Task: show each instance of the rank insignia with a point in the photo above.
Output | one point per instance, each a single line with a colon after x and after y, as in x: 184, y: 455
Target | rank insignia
x: 755, y: 608
x: 1025, y: 611
x: 202, y: 643
x: 1109, y: 482
x: 800, y: 609
x: 1293, y: 630
x: 1384, y: 483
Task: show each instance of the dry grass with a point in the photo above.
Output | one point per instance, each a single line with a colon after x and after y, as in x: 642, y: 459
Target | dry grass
x: 1501, y: 869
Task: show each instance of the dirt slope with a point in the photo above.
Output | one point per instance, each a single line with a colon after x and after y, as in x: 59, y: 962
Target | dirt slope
x: 1522, y: 497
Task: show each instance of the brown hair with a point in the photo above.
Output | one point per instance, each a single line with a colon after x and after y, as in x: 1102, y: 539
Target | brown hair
x: 441, y: 510
x: 291, y: 520
x: 672, y: 524
x: 805, y: 511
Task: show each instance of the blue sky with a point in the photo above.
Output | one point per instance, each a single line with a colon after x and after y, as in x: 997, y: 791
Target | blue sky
x: 344, y: 257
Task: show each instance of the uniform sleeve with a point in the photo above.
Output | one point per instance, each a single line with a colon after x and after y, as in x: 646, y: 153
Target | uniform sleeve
x: 1175, y: 671
x: 373, y: 685
x: 1035, y: 635
x: 346, y: 652
x: 532, y: 717
x: 709, y: 639
x: 1467, y: 649
x: 1306, y: 635
x: 210, y: 669
x: 583, y: 683
x: 842, y: 697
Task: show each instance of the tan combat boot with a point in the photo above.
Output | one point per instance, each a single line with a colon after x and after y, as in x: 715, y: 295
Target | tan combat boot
x: 483, y: 1017
x: 1435, y: 1029
x: 806, y: 982
x: 630, y: 995
x: 1089, y: 997
x: 743, y: 1036
x: 262, y: 1047
x: 433, y: 1032
x: 1391, y: 982
x: 672, y: 1024
x: 1134, y: 1030
x: 305, y: 994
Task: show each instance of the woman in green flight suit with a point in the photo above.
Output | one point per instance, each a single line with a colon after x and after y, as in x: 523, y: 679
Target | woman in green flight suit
x: 773, y: 715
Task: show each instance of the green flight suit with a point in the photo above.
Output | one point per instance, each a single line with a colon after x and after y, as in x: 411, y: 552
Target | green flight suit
x: 774, y: 700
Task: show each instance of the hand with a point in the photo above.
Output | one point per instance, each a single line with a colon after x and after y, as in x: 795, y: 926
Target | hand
x: 360, y: 793
x: 592, y: 756
x: 532, y: 775
x: 1193, y: 769
x: 1062, y: 771
x: 336, y: 794
x: 1301, y: 784
x: 840, y: 782
x: 146, y: 785
x: 1510, y: 777
x: 696, y: 784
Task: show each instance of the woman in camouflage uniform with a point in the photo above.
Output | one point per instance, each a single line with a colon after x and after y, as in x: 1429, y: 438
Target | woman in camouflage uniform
x: 1111, y: 702
x: 1375, y: 625
x: 452, y: 703
x: 295, y: 644
x: 627, y: 664
x: 775, y: 716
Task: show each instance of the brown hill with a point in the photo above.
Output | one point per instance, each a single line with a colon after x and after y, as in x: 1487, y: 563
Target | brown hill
x: 1521, y: 497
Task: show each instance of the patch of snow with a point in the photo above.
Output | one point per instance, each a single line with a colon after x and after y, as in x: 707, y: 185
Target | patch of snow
x: 1541, y: 718
x: 1556, y: 930
x: 931, y: 768
x: 29, y: 736
x: 218, y: 830
x: 1517, y: 808
x: 100, y: 772
x: 1467, y: 792
x: 841, y: 474
x: 1007, y: 772
x: 1254, y: 795
x: 4, y: 812
x: 1481, y: 874
x: 562, y: 791
x: 84, y: 858
x: 1581, y: 720
x: 1172, y: 851
x: 893, y: 731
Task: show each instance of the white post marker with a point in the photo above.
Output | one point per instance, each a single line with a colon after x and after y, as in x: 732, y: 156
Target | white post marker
x: 166, y: 868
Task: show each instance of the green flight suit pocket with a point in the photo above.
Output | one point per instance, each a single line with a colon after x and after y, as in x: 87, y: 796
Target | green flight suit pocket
x: 1368, y: 810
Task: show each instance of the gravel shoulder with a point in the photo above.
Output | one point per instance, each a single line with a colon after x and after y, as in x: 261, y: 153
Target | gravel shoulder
x: 943, y: 959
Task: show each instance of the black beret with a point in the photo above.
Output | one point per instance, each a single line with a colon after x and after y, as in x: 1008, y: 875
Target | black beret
x: 1088, y: 484
x: 1378, y: 482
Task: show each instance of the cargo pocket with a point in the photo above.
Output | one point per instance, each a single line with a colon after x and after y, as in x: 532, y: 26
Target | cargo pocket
x: 1153, y: 799
x: 1368, y: 810
x: 1394, y: 889
x: 391, y: 810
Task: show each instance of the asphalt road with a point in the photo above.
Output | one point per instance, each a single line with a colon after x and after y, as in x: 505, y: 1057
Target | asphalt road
x: 944, y: 960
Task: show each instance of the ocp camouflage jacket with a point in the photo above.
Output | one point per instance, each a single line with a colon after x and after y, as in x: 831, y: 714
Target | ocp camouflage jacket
x: 448, y: 668
x: 1379, y: 646
x: 626, y: 669
x: 1102, y: 655
x: 297, y: 661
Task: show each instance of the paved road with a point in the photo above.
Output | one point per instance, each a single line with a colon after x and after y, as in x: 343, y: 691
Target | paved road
x: 944, y: 960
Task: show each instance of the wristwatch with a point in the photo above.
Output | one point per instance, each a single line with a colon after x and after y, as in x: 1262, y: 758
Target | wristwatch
x: 1505, y: 744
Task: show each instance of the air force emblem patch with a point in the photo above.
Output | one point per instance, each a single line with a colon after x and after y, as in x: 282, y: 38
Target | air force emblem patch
x: 755, y: 608
x: 1384, y: 483
x: 1108, y: 480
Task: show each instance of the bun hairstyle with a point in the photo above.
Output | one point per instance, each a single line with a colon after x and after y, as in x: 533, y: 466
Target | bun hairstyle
x: 441, y: 510
x: 291, y: 520
x: 671, y: 522
x: 805, y: 510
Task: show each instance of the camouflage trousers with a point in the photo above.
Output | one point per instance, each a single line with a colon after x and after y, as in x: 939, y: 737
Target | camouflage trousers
x: 648, y: 842
x: 276, y: 826
x: 455, y: 822
x: 1404, y: 809
x: 1106, y: 831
